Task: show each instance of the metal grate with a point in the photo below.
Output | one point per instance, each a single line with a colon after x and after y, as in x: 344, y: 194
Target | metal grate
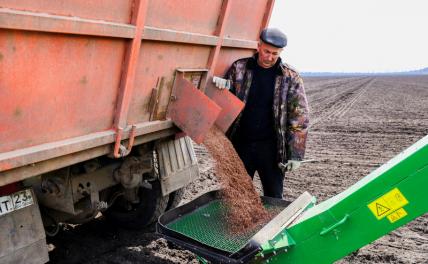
x: 208, y: 225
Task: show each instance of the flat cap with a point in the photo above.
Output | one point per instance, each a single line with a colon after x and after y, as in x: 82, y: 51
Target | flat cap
x: 274, y: 37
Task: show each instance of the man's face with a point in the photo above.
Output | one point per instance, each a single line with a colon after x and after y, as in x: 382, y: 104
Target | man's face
x: 268, y: 54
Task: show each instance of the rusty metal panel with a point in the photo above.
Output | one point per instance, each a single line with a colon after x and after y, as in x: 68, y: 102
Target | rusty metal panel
x: 157, y: 34
x: 33, y: 21
x: 227, y: 56
x: 60, y: 160
x: 31, y: 155
x: 54, y: 86
x: 57, y: 86
x: 159, y: 60
x: 129, y: 69
x: 230, y: 105
x: 191, y: 110
x: 184, y: 15
x: 239, y: 43
x: 223, y: 17
x: 245, y: 19
x: 108, y: 10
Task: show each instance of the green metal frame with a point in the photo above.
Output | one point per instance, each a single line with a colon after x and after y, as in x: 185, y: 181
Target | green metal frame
x: 387, y: 198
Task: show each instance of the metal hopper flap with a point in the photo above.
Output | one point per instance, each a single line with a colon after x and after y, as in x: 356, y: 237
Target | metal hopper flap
x: 230, y: 105
x: 191, y: 110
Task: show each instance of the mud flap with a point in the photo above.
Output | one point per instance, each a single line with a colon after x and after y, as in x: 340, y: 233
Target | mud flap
x: 23, y: 237
x: 177, y: 164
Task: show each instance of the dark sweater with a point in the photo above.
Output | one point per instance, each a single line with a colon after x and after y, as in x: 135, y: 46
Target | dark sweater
x: 257, y: 122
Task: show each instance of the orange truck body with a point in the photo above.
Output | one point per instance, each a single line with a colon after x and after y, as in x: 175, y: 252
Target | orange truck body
x: 83, y: 83
x: 75, y: 76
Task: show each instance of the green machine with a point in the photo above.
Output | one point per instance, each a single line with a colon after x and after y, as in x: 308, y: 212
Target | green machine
x: 302, y: 232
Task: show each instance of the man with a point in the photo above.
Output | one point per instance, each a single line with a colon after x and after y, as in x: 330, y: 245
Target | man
x: 270, y: 133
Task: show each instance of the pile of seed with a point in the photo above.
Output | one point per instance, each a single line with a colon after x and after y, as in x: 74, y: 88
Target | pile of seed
x: 245, y: 209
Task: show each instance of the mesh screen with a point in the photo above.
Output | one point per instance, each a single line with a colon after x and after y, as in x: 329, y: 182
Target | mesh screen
x: 208, y: 226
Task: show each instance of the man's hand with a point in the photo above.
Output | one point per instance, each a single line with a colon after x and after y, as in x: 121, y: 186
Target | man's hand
x: 221, y: 83
x: 291, y: 165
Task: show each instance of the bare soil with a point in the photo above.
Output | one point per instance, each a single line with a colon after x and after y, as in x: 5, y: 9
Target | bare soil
x: 357, y: 124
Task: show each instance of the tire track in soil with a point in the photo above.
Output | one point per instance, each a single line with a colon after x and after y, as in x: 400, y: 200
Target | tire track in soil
x: 330, y: 85
x: 338, y: 105
x: 320, y: 99
x: 318, y: 105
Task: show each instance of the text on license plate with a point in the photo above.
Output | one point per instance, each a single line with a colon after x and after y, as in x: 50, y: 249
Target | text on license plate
x: 15, y: 201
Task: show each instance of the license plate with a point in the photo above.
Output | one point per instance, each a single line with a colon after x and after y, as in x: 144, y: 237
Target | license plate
x: 15, y: 201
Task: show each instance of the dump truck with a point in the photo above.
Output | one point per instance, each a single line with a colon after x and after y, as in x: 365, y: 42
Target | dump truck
x: 91, y: 116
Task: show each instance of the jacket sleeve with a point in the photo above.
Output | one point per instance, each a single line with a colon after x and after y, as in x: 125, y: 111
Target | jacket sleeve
x: 231, y: 75
x: 297, y: 120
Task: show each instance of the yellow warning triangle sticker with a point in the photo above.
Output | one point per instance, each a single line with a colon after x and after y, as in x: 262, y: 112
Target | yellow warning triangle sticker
x: 387, y: 204
x: 381, y: 209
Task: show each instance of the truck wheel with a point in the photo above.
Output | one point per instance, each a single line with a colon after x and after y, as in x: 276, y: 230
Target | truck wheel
x: 175, y: 198
x: 137, y: 216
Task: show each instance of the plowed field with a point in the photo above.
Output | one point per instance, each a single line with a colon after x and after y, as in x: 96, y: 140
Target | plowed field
x: 357, y: 124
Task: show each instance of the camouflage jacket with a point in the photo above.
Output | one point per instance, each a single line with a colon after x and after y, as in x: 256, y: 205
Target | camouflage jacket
x: 290, y: 106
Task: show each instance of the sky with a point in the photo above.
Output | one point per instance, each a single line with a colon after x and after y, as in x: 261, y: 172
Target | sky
x: 353, y: 36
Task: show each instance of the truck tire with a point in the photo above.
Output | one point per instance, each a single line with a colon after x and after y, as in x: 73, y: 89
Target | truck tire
x: 152, y: 204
